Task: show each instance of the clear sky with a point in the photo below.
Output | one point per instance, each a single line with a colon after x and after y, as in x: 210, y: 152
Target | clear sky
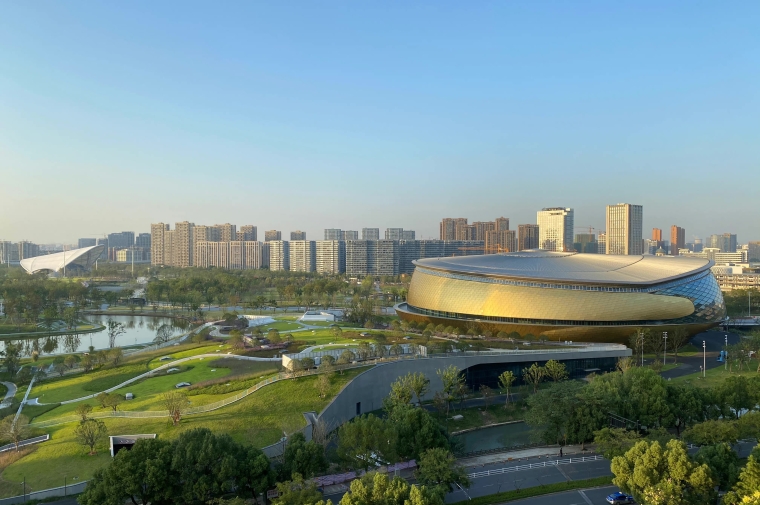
x: 311, y: 115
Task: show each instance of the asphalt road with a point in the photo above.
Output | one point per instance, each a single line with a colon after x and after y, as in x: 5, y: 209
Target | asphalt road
x: 594, y: 496
x: 714, y: 342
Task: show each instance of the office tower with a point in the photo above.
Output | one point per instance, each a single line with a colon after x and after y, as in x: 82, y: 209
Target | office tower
x: 271, y: 235
x: 121, y: 240
x: 302, y: 256
x: 698, y: 245
x: 248, y: 233
x: 183, y: 244
x: 372, y: 257
x: 483, y: 227
x: 624, y: 229
x: 157, y: 232
x: 86, y: 242
x: 279, y: 255
x: 500, y: 241
x: 104, y: 243
x: 727, y: 242
x: 502, y: 223
x: 407, y: 235
x: 370, y: 233
x: 298, y: 235
x: 393, y: 233
x: 527, y: 236
x: 330, y: 256
x: 555, y: 229
x: 586, y: 243
x: 143, y: 240
x: 677, y: 239
x: 448, y: 227
x: 349, y: 235
x: 333, y: 234
x: 601, y: 242
x: 753, y: 252
x: 657, y: 234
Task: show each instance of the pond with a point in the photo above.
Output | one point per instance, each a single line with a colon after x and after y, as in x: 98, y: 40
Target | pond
x: 495, y: 437
x: 138, y: 330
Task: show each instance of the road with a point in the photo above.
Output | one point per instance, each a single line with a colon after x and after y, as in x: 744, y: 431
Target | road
x: 9, y: 395
x: 594, y: 496
x: 714, y: 343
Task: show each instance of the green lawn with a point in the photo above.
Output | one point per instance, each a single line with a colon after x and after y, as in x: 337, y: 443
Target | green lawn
x: 477, y: 417
x: 281, y: 326
x: 715, y: 376
x: 258, y: 419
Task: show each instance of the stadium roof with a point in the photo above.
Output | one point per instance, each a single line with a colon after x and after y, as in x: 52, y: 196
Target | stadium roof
x: 572, y: 267
x: 82, y: 258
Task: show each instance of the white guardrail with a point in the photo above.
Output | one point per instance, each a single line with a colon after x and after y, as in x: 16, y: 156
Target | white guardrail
x: 531, y: 466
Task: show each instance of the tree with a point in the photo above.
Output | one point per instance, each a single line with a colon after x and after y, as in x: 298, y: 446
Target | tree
x: 736, y: 393
x: 83, y: 410
x: 89, y: 432
x: 114, y: 329
x: 176, y: 403
x: 116, y: 355
x: 364, y: 351
x: 396, y: 350
x: 419, y: 385
x: 12, y: 357
x: 367, y: 440
x: 236, y: 339
x: 533, y: 375
x: 550, y: 410
x: 451, y: 379
x: 274, y: 336
x: 16, y: 431
x: 302, y: 457
x: 613, y: 442
x: 659, y: 475
x: 323, y: 385
x: 416, y: 431
x: 487, y: 394
x: 86, y: 363
x: 712, y: 432
x: 437, y: 468
x: 625, y: 364
x: 377, y: 488
x: 555, y: 370
x: 345, y: 358
x: 506, y: 379
x: 70, y: 361
x: 677, y: 340
x: 746, y: 489
x: 722, y: 461
x: 164, y: 333
x: 685, y: 406
x: 336, y: 331
x: 297, y: 492
x: 401, y: 393
x: 110, y: 400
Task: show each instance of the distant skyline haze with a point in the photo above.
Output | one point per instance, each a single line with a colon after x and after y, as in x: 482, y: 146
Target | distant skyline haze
x: 298, y: 116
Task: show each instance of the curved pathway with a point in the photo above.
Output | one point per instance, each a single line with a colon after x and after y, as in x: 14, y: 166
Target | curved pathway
x: 9, y: 395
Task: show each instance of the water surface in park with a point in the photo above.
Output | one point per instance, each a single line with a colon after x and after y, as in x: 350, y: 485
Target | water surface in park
x: 495, y: 437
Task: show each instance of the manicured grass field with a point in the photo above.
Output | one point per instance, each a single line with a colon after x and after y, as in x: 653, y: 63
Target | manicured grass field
x: 258, y: 419
x: 281, y: 326
x: 715, y: 376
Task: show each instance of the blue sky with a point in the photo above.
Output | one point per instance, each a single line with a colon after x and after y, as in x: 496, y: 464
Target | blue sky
x: 307, y: 115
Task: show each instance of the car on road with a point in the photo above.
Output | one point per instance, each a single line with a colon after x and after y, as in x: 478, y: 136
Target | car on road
x: 620, y: 497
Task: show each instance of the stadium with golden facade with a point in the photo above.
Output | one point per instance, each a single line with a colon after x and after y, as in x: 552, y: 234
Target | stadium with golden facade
x: 565, y: 296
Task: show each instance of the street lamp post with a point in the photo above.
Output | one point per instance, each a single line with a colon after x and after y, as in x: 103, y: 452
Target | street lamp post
x: 704, y: 359
x: 641, y: 337
x: 665, y: 352
x: 725, y: 355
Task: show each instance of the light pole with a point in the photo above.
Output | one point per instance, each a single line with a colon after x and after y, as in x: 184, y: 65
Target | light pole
x: 641, y: 337
x: 725, y: 355
x: 704, y: 359
x: 665, y: 352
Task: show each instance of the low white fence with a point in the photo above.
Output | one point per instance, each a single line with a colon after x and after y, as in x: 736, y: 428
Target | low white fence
x: 531, y: 466
x: 23, y: 443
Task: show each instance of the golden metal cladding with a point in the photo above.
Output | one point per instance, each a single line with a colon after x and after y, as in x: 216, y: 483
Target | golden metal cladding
x: 499, y: 300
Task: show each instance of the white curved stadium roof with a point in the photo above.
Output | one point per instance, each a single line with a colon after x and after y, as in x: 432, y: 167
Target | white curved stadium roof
x: 83, y: 258
x: 572, y: 267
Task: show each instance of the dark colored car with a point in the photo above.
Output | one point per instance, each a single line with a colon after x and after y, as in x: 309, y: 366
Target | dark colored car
x: 619, y: 497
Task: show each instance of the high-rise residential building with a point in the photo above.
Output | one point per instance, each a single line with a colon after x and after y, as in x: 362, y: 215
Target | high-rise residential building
x: 183, y: 244
x: 555, y: 229
x: 303, y: 256
x: 601, y: 241
x: 279, y: 255
x: 248, y: 233
x: 713, y: 242
x: 298, y: 235
x: 8, y: 252
x: 677, y: 239
x: 143, y: 240
x: 449, y: 227
x: 407, y: 235
x: 753, y: 252
x: 527, y: 237
x: 333, y: 234
x: 370, y: 233
x: 502, y: 223
x: 330, y: 256
x: 227, y: 232
x: 349, y: 235
x: 483, y: 227
x: 727, y: 242
x: 201, y: 234
x: 466, y: 232
x: 586, y: 243
x: 233, y: 255
x: 86, y: 242
x: 657, y: 234
x: 170, y: 259
x: 212, y: 254
x: 372, y: 257
x: 500, y: 241
x: 624, y: 229
x: 271, y: 235
x: 27, y: 249
x: 393, y: 233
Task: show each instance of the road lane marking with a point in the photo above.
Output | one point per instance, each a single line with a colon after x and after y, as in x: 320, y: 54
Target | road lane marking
x: 583, y: 495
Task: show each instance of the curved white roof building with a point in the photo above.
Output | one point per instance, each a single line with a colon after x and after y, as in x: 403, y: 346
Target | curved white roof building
x: 77, y: 260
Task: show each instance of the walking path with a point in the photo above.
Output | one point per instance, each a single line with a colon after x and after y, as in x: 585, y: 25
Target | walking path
x: 9, y: 395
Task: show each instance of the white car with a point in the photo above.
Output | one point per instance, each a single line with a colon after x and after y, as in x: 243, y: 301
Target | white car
x: 182, y: 385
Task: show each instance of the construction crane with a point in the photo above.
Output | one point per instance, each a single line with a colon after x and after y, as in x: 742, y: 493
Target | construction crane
x: 584, y: 228
x: 483, y: 250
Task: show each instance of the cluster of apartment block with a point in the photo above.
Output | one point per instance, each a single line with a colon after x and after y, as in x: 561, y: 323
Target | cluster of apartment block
x: 13, y: 252
x: 123, y: 246
x: 495, y: 235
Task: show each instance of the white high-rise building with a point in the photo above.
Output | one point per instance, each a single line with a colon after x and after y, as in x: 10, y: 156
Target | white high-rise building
x: 624, y: 229
x: 279, y: 255
x: 555, y: 229
x: 331, y: 256
x: 302, y: 255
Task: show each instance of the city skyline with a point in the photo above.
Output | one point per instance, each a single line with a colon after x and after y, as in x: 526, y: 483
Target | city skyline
x: 339, y: 122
